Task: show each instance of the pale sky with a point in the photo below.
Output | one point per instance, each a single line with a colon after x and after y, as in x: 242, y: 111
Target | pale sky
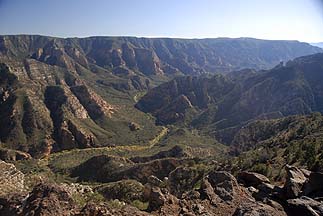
x: 266, y: 19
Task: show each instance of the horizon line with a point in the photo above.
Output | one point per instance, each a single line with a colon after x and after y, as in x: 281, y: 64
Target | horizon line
x: 158, y: 37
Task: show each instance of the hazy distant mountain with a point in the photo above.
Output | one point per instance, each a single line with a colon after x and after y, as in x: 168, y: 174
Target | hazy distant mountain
x: 320, y: 44
x: 150, y: 56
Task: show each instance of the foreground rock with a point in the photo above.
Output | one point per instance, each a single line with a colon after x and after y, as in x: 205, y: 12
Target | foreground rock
x: 93, y: 209
x: 158, y: 199
x: 314, y: 185
x: 252, y: 178
x: 294, y: 182
x: 225, y: 185
x: 52, y: 199
x: 256, y: 209
x: 48, y: 200
x: 305, y: 206
x: 198, y: 192
x: 219, y: 194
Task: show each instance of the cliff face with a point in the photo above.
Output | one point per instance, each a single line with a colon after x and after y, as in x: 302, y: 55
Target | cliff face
x: 38, y: 115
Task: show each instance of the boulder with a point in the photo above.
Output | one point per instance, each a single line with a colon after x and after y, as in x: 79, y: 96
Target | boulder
x: 294, y: 182
x: 159, y: 199
x: 252, y: 179
x: 252, y: 190
x: 156, y: 198
x: 224, y: 184
x: 306, y: 172
x: 274, y: 204
x: 265, y: 190
x: 304, y: 206
x: 207, y: 192
x: 257, y: 209
x: 133, y: 126
x: 313, y: 186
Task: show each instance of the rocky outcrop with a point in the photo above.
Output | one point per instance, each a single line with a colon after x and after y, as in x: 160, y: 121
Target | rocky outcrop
x: 82, y: 138
x: 128, y: 54
x: 252, y: 178
x: 92, y: 102
x: 133, y: 126
x: 220, y: 194
x: 73, y: 103
x: 147, y: 62
x: 48, y: 199
x: 53, y: 53
x: 158, y: 199
x: 52, y: 199
x: 225, y: 185
x: 304, y: 206
x: 175, y: 111
x: 313, y: 185
x: 294, y: 182
x: 66, y: 133
x: 255, y: 209
x: 11, y: 179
